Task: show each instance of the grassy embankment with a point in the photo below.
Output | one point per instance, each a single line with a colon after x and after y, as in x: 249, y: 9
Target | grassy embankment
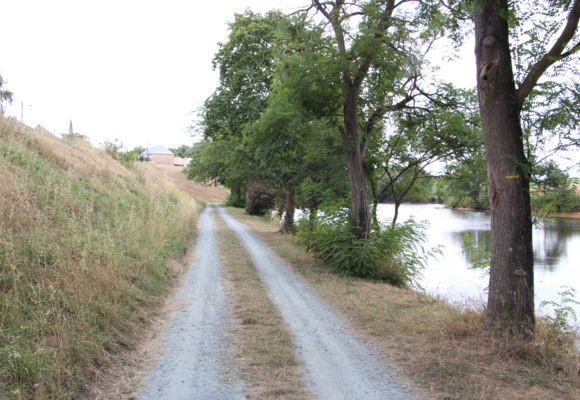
x: 84, y: 245
x: 435, y: 346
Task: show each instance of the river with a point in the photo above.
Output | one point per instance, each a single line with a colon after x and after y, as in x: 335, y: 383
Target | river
x: 556, y: 254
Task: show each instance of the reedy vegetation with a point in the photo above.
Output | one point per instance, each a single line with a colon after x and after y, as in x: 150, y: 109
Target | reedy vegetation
x: 84, y: 244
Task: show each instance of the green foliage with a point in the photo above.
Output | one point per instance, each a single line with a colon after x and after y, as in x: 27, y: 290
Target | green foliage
x: 246, y: 64
x: 260, y: 199
x: 549, y: 176
x: 182, y: 151
x: 5, y: 95
x: 479, y: 258
x: 222, y: 161
x: 465, y: 184
x: 391, y: 254
x: 443, y: 129
x: 563, y: 199
x: 235, y: 201
x: 556, y: 190
x: 115, y: 150
x: 130, y: 156
x: 549, y: 114
x: 562, y: 331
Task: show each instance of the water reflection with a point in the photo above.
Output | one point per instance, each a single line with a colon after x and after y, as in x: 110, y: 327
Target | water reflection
x: 475, y: 245
x: 550, y: 241
x: 556, y: 257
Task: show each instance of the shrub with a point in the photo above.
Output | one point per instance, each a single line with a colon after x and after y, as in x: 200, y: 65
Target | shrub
x: 391, y: 254
x: 563, y: 199
x: 260, y: 199
x: 236, y: 201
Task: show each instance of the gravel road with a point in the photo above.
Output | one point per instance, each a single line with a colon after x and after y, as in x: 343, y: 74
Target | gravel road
x: 336, y: 364
x: 195, y: 363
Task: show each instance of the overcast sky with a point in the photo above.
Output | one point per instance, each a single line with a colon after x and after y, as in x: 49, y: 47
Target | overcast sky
x: 133, y: 70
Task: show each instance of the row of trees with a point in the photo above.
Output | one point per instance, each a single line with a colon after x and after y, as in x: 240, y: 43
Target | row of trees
x: 338, y: 101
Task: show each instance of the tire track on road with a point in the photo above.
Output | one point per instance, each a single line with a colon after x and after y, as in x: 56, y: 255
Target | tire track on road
x: 336, y: 364
x: 196, y: 364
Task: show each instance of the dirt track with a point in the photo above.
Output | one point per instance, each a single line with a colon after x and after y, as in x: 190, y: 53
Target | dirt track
x: 335, y: 364
x: 196, y: 364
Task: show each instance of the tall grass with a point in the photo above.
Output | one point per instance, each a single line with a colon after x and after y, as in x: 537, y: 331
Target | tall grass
x: 84, y: 244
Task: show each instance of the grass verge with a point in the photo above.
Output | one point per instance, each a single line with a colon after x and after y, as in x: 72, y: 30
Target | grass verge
x: 84, y: 244
x: 435, y: 346
x: 265, y: 348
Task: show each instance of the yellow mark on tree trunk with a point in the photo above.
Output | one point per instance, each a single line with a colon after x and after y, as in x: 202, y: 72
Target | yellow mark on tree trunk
x: 512, y: 177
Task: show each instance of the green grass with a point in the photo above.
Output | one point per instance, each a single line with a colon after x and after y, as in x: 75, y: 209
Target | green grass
x: 84, y: 244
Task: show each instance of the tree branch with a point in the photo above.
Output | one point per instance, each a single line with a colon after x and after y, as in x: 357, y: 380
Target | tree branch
x: 366, y: 63
x: 333, y: 18
x: 555, y: 54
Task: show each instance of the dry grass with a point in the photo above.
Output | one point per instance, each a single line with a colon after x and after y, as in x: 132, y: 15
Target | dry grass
x: 84, y: 244
x: 263, y: 342
x: 176, y: 175
x: 438, y: 348
x: 126, y: 376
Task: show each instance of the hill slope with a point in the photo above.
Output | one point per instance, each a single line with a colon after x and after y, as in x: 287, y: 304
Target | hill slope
x: 84, y: 243
x: 175, y: 175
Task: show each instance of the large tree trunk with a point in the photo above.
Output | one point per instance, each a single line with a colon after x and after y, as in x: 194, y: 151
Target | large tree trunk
x: 288, y: 225
x: 357, y: 176
x: 359, y: 194
x: 510, y: 308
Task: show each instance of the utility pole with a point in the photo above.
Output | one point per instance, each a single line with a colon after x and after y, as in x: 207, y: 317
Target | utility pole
x: 22, y: 110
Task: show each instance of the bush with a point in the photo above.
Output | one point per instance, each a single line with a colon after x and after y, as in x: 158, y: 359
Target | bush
x: 563, y: 199
x: 392, y: 254
x: 235, y: 201
x: 260, y: 199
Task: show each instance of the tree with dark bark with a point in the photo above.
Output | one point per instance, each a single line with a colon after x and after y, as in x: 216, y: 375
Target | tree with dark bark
x: 510, y: 308
x: 377, y: 56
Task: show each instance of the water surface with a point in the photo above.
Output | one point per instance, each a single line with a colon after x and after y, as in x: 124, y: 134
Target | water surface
x: 556, y: 254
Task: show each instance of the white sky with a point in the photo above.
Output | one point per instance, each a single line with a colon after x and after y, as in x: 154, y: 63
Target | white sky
x: 132, y: 70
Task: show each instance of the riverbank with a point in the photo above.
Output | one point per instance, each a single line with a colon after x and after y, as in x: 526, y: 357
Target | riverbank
x: 574, y: 215
x: 437, y: 347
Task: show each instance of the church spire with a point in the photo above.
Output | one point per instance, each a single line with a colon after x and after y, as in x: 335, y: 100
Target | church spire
x: 70, y: 129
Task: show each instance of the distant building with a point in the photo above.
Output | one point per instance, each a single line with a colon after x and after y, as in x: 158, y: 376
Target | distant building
x: 73, y: 137
x: 182, y: 162
x: 159, y: 155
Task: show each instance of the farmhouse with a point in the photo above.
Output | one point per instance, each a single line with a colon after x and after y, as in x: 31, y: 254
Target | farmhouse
x: 159, y: 155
